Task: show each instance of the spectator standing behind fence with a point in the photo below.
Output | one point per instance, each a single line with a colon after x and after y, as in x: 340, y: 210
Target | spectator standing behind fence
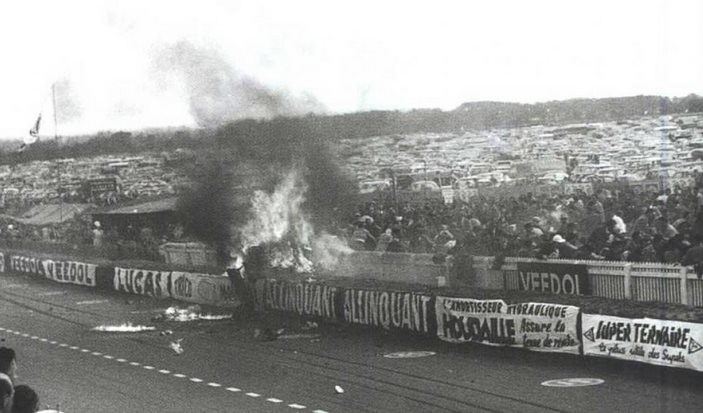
x: 98, y: 234
x: 361, y: 237
x: 384, y: 240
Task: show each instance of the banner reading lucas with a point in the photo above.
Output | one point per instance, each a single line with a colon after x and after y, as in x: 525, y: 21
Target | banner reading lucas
x: 534, y: 326
x: 647, y: 340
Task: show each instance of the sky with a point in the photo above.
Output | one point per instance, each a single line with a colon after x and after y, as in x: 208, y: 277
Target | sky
x: 140, y: 64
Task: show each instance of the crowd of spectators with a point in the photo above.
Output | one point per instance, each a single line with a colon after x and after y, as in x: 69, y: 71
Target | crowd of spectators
x: 613, y: 225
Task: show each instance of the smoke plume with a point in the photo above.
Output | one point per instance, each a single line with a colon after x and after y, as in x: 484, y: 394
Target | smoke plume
x: 218, y: 93
x: 280, y: 189
x: 68, y: 106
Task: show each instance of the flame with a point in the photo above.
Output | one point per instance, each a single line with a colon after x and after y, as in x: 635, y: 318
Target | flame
x: 123, y: 328
x: 280, y: 223
x: 191, y: 314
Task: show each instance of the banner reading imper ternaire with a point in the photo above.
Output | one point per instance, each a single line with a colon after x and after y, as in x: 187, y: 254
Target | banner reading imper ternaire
x: 647, y: 340
x: 534, y: 326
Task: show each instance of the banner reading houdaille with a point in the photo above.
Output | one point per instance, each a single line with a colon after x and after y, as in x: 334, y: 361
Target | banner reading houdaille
x: 647, y: 340
x: 534, y: 326
x: 555, y: 278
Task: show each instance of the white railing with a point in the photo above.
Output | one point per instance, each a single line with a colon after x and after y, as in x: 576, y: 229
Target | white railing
x: 637, y: 281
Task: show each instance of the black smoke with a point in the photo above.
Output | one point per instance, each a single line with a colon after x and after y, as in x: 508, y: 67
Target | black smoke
x: 241, y: 159
x: 218, y: 93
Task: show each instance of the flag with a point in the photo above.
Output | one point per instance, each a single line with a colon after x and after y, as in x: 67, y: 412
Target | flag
x: 35, y: 130
x: 33, y: 136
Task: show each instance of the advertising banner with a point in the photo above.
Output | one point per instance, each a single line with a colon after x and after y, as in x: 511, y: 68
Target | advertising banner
x: 647, y: 340
x: 390, y: 310
x: 555, y: 278
x: 199, y: 288
x: 67, y: 272
x: 534, y: 326
x: 151, y: 283
x: 309, y: 299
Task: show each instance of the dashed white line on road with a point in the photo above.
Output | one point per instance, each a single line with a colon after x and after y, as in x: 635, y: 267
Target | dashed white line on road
x: 50, y: 293
x: 162, y: 371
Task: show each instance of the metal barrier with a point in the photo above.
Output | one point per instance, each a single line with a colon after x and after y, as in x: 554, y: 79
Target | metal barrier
x: 666, y: 283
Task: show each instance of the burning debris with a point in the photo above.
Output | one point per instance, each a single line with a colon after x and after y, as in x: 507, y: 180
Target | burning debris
x: 177, y: 347
x: 281, y: 225
x: 191, y: 313
x: 123, y: 328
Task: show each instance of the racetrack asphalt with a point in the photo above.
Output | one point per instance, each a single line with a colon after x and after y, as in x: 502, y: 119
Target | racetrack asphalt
x: 224, y: 368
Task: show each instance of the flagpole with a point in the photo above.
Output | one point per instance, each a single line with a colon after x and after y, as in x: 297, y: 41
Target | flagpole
x: 56, y: 140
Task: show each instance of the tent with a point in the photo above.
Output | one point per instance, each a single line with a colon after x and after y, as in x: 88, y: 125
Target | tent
x: 41, y: 215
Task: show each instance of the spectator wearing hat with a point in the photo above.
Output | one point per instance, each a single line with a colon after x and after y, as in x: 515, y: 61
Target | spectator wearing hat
x: 98, y: 234
x: 565, y: 248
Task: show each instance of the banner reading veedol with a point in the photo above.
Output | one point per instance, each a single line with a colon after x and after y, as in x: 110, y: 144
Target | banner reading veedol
x: 647, y: 340
x: 534, y: 326
x: 555, y: 278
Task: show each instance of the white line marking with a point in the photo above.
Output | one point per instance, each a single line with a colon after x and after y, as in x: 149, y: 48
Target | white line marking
x: 179, y: 375
x: 109, y: 357
x: 50, y: 293
x: 165, y: 371
x: 214, y: 384
x: 319, y: 411
x: 17, y: 333
x: 52, y: 342
x: 63, y: 345
x: 274, y: 400
x: 88, y: 302
x: 233, y: 389
x: 2, y: 328
x: 253, y: 394
x: 149, y: 367
x: 74, y: 347
x: 85, y: 350
x: 296, y: 406
x: 25, y: 335
x: 120, y: 360
x: 96, y: 353
x: 196, y: 380
x: 44, y: 339
x: 34, y: 337
x: 133, y: 363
